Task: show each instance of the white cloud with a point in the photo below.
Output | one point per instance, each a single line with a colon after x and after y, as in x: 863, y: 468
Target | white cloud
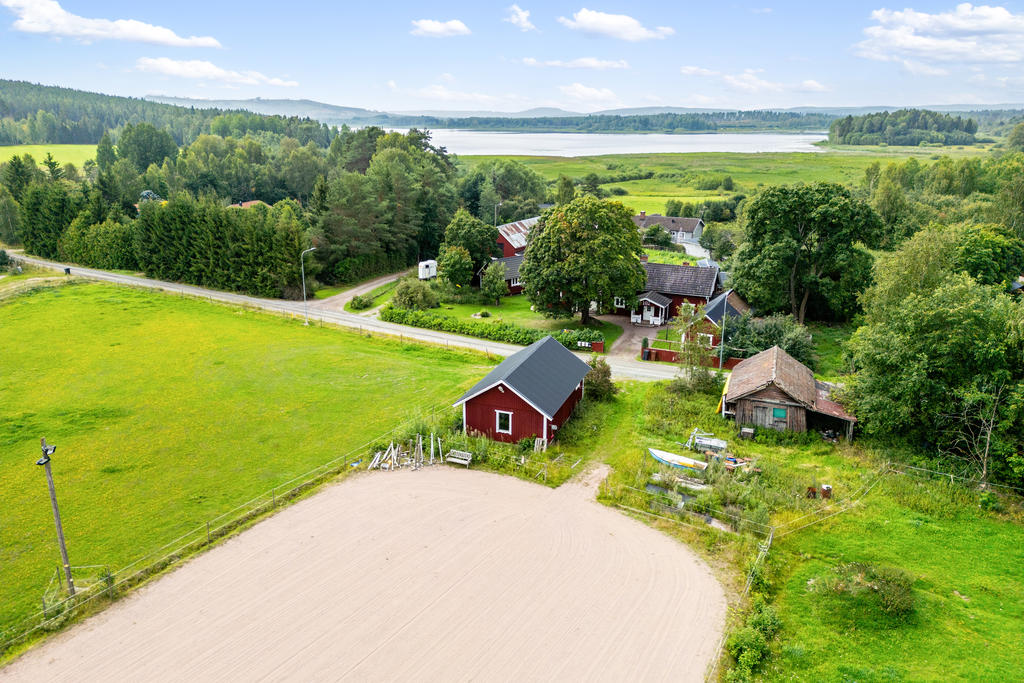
x: 439, y: 29
x: 447, y: 77
x: 762, y: 10
x: 698, y: 71
x: 968, y: 33
x: 586, y: 94
x: 749, y: 81
x: 202, y: 70
x: 579, y: 63
x: 810, y: 85
x: 922, y: 69
x: 619, y: 26
x: 48, y: 17
x: 520, y: 17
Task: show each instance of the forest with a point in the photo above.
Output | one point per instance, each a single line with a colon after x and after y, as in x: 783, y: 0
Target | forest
x: 39, y: 114
x: 903, y: 127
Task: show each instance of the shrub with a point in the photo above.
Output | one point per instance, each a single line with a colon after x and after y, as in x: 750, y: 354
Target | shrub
x: 4, y: 258
x: 619, y: 191
x: 891, y: 587
x: 361, y: 302
x: 484, y: 314
x: 509, y: 333
x: 598, y: 382
x: 748, y: 336
x: 657, y: 236
x: 414, y: 295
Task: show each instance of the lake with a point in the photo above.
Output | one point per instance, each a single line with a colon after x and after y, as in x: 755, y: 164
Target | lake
x: 468, y: 142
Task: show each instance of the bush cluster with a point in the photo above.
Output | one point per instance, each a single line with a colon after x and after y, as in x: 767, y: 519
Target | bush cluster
x: 414, y: 295
x: 889, y: 586
x: 361, y: 302
x: 509, y: 333
x: 749, y: 645
x: 598, y: 382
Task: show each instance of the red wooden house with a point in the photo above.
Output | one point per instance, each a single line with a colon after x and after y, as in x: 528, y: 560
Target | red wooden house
x: 512, y: 236
x: 530, y: 394
x: 668, y: 287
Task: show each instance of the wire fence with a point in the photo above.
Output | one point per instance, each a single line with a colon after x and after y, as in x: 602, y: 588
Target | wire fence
x: 56, y: 613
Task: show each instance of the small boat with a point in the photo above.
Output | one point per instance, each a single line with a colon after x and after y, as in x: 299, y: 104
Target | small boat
x: 677, y: 461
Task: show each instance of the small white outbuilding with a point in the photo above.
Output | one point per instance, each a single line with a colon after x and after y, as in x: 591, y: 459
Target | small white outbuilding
x: 428, y: 269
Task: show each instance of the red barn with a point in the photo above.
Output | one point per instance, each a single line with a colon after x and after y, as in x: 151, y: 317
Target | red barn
x: 512, y: 236
x: 531, y: 394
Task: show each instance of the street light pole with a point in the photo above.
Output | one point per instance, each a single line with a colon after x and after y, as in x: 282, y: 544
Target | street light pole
x: 302, y: 265
x: 45, y: 462
x: 496, y: 213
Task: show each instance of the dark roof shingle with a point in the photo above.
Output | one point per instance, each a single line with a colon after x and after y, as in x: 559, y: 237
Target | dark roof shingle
x: 670, y: 223
x: 545, y: 373
x: 668, y: 278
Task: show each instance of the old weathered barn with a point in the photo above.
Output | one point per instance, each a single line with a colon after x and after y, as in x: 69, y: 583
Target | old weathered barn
x: 530, y: 395
x: 772, y: 389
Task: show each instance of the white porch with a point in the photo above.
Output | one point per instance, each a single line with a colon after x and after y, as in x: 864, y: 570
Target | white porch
x: 654, y: 310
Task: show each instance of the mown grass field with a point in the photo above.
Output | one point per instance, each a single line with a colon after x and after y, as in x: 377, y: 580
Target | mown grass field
x: 748, y: 171
x: 76, y: 154
x: 169, y: 411
x: 968, y: 622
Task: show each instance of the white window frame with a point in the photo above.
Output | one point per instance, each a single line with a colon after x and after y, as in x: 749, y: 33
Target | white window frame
x: 705, y: 338
x: 686, y: 307
x: 497, y: 422
x: 514, y: 282
x: 619, y: 302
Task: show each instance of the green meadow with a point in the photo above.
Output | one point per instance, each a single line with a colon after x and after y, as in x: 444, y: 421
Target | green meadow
x: 748, y: 171
x: 170, y: 411
x: 75, y: 154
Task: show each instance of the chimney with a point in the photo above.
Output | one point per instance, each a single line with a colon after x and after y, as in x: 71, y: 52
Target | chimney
x: 643, y: 214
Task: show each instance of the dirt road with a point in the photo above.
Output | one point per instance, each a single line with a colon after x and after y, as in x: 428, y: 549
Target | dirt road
x: 441, y: 574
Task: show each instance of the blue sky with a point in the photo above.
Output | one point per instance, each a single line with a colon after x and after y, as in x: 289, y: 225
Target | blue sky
x: 582, y: 56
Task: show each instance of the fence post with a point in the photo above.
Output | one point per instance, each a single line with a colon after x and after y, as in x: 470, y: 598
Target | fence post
x: 273, y: 493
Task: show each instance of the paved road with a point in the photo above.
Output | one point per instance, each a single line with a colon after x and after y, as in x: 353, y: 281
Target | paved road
x: 621, y: 368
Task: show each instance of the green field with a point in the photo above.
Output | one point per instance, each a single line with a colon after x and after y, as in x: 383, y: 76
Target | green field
x: 516, y: 309
x: 76, y: 154
x: 748, y: 171
x: 679, y: 258
x: 169, y: 411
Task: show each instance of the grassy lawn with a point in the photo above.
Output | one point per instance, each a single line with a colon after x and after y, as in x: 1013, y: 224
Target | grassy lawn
x: 76, y: 154
x: 679, y: 258
x: 380, y: 295
x: 828, y: 341
x: 748, y: 171
x: 516, y: 309
x: 169, y: 411
x: 328, y: 292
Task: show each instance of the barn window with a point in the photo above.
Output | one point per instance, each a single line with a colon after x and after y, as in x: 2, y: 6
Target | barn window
x: 706, y: 340
x: 514, y: 282
x: 620, y: 302
x: 779, y: 413
x: 503, y: 422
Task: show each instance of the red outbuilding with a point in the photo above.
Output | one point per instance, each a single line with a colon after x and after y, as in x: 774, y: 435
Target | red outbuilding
x: 530, y: 395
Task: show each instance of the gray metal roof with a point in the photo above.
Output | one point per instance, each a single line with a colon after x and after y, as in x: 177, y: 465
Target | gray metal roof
x: 722, y: 305
x: 668, y: 278
x: 545, y: 373
x: 655, y: 298
x: 512, y: 264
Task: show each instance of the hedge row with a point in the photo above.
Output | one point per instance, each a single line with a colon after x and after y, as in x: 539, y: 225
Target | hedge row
x: 509, y: 333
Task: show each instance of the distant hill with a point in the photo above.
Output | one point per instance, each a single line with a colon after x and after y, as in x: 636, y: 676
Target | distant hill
x: 525, y: 114
x: 327, y: 113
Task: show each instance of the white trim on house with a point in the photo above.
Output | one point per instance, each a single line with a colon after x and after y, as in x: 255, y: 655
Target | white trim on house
x: 619, y: 302
x: 497, y: 421
x: 710, y: 339
x: 464, y: 427
x: 510, y: 388
x: 514, y: 282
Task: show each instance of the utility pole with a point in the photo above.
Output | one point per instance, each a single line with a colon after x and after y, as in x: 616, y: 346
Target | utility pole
x: 721, y: 342
x: 302, y: 265
x: 496, y: 213
x: 45, y: 462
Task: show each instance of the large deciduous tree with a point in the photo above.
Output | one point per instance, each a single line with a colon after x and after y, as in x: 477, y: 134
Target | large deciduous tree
x: 585, y: 251
x: 945, y: 368
x: 144, y: 144
x: 804, y: 251
x: 472, y: 234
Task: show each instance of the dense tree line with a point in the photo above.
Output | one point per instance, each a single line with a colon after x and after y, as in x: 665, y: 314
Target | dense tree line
x: 372, y: 202
x: 635, y: 123
x: 903, y: 127
x: 39, y: 114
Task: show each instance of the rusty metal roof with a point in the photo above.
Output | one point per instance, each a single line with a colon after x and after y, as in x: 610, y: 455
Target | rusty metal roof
x: 515, y: 233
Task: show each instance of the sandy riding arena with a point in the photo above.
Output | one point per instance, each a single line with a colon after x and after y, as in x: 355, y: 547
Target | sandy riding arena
x: 438, y: 575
